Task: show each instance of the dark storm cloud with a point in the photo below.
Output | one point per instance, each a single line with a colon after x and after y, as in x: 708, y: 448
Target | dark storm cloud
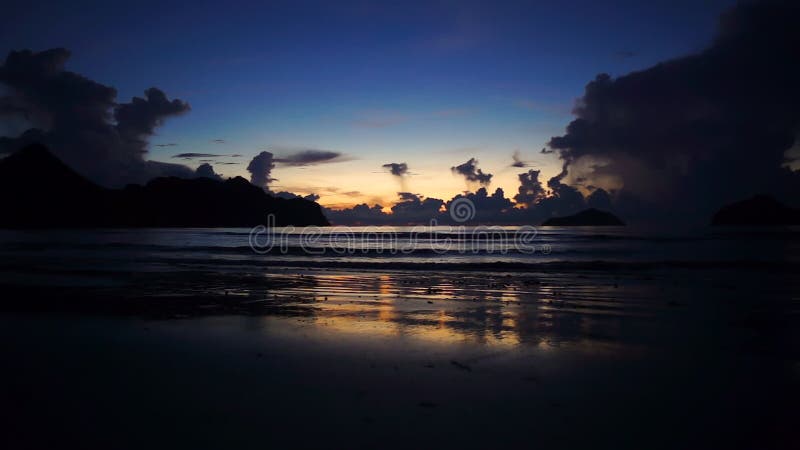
x: 701, y: 130
x: 310, y: 157
x: 471, y: 172
x: 81, y: 121
x: 397, y: 169
x: 260, y: 169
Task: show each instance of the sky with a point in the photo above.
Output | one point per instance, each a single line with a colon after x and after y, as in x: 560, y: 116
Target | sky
x: 429, y: 84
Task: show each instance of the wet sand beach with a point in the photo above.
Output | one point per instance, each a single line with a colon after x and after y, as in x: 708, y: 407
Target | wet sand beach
x: 325, y: 357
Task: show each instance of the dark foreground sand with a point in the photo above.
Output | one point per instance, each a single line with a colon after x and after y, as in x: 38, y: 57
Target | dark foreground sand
x: 657, y: 358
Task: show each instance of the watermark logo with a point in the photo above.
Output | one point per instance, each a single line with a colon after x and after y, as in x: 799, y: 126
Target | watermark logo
x: 462, y: 210
x: 433, y: 238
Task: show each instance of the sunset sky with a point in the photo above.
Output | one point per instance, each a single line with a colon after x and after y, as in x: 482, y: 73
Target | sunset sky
x: 429, y: 84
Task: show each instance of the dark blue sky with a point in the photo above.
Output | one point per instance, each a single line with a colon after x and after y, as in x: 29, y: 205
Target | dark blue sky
x: 430, y: 84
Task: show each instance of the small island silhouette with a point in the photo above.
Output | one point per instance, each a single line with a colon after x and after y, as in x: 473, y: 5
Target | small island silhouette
x: 759, y: 210
x: 40, y: 191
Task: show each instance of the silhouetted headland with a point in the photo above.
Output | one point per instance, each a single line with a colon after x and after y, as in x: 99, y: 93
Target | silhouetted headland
x: 587, y: 218
x: 40, y: 191
x: 760, y: 210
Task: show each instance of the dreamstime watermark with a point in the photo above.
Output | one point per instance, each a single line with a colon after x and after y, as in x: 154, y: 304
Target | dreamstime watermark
x: 435, y: 238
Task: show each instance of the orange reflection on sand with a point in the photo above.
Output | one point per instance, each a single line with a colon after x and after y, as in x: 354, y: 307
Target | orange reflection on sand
x: 451, y: 308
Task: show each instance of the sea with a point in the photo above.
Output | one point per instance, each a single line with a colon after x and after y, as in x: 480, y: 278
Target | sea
x: 444, y: 247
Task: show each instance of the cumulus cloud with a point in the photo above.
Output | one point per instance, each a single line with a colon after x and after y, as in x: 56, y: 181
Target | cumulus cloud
x: 81, y: 121
x: 469, y: 170
x: 260, y: 169
x: 704, y: 129
x: 488, y: 208
x: 410, y: 209
x: 137, y: 120
x: 361, y: 214
x: 206, y: 170
x: 415, y: 208
x: 530, y: 189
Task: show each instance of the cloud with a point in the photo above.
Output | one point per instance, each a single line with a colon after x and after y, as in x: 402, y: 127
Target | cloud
x: 410, y: 209
x: 361, y: 214
x: 81, y: 121
x: 701, y: 130
x: 397, y: 169
x: 518, y: 162
x: 533, y: 204
x: 207, y: 171
x: 196, y: 155
x: 488, y: 208
x: 262, y: 165
x: 137, y: 120
x: 170, y: 144
x: 530, y: 190
x: 260, y: 169
x: 310, y: 157
x: 471, y: 172
x: 415, y: 208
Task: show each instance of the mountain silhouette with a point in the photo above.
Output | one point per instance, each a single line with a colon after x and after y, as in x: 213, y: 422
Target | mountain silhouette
x: 587, y: 217
x: 40, y: 191
x: 760, y: 210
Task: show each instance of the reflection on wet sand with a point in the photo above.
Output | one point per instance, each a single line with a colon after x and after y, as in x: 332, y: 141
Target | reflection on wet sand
x: 619, y: 310
x: 544, y: 310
